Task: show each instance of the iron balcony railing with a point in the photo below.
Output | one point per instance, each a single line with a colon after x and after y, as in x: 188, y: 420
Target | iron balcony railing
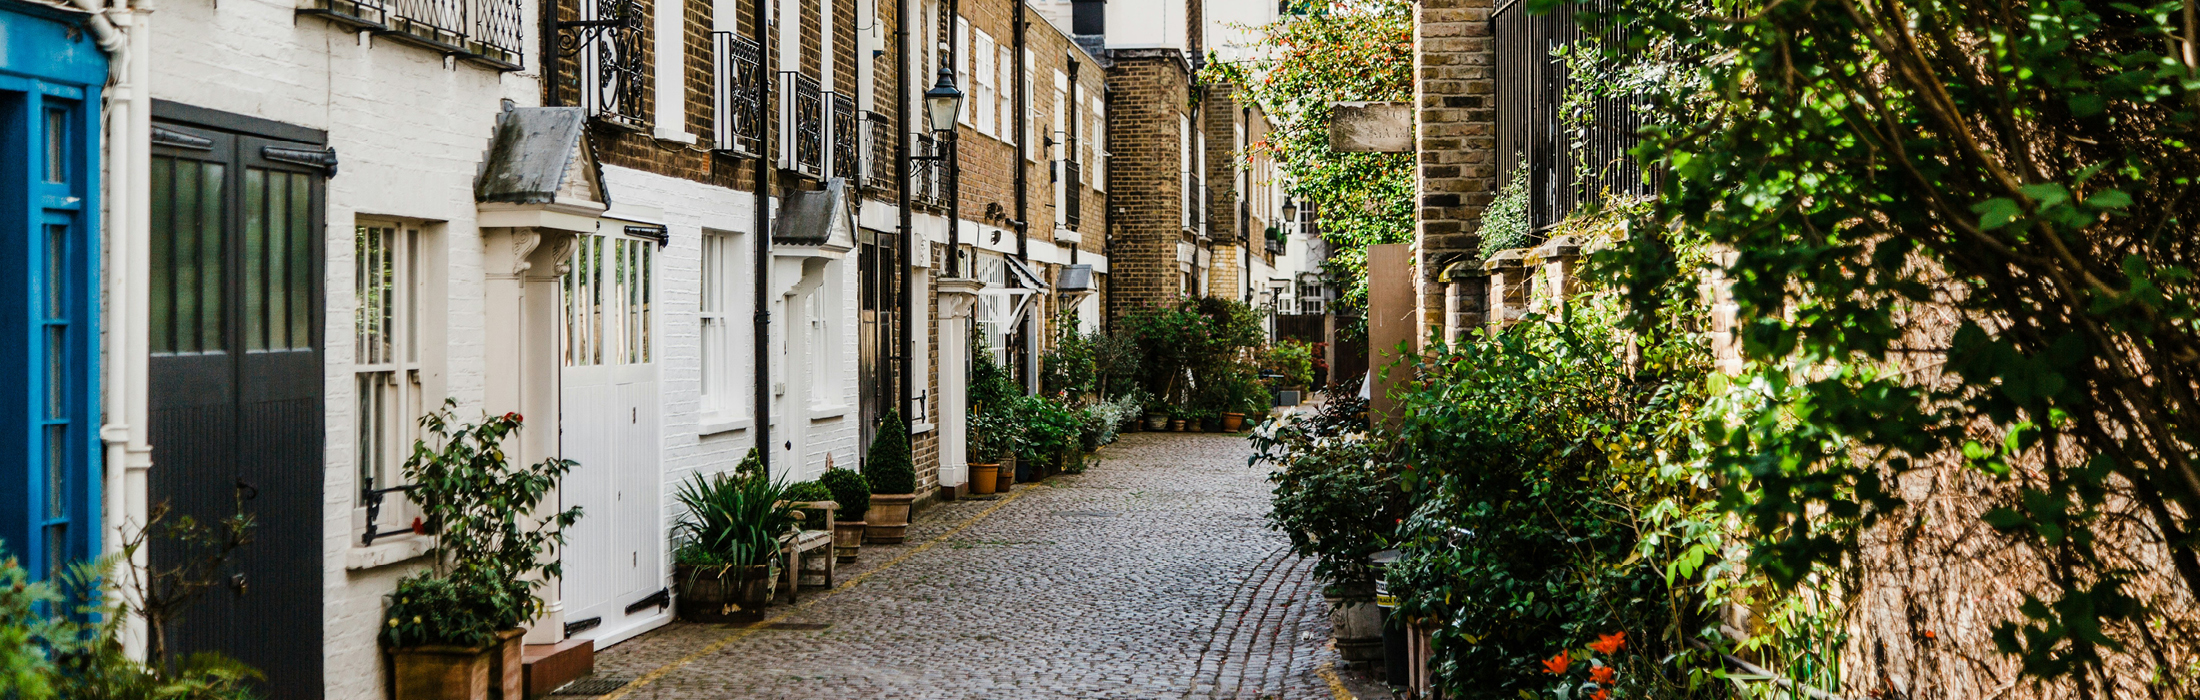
x: 847, y: 137
x: 1569, y: 161
x: 1072, y: 181
x: 802, y: 122
x: 928, y: 179
x: 482, y: 31
x: 880, y: 146
x: 612, y: 70
x: 737, y: 95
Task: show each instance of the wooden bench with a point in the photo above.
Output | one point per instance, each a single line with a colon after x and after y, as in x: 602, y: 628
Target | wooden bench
x: 799, y: 547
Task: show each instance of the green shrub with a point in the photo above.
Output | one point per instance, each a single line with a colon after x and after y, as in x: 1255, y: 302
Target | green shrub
x: 1294, y: 359
x: 1337, y: 494
x: 457, y: 609
x: 732, y: 520
x: 1505, y: 222
x: 889, y: 468
x: 806, y: 491
x: 850, y: 490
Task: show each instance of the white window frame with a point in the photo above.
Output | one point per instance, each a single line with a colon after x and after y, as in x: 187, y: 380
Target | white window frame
x: 982, y: 95
x: 724, y: 347
x: 962, y: 67
x: 391, y: 377
x: 1095, y: 143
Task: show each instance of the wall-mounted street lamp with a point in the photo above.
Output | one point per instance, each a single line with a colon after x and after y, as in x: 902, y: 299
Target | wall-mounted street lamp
x: 1290, y: 209
x: 943, y: 103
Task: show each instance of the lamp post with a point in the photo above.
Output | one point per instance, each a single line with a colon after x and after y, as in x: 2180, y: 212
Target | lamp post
x: 942, y: 104
x: 1290, y: 210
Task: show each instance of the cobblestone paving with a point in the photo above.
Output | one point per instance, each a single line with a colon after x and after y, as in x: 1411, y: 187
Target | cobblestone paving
x: 1149, y: 576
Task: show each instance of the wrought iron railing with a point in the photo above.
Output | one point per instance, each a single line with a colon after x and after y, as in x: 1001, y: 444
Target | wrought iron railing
x: 847, y: 139
x: 737, y: 92
x: 928, y: 179
x: 880, y: 135
x: 802, y: 123
x: 612, y: 70
x: 498, y: 30
x: 1072, y: 181
x: 1568, y: 161
x: 437, y: 24
x: 362, y: 14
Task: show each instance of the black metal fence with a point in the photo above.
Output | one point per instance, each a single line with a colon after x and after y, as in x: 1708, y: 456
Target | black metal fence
x: 847, y: 154
x: 612, y: 69
x: 804, y: 123
x: 928, y: 178
x: 1574, y: 159
x: 737, y: 91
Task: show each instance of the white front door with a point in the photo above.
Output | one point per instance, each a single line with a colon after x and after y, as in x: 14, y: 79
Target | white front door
x: 609, y: 398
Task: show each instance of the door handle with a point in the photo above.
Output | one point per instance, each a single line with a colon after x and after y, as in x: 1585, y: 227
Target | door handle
x: 237, y: 582
x: 248, y: 491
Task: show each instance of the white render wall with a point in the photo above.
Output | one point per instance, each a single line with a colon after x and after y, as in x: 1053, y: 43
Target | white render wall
x: 409, y: 132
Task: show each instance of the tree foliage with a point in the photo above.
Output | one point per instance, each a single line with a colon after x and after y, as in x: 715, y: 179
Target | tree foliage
x: 1336, y: 51
x: 1959, y: 232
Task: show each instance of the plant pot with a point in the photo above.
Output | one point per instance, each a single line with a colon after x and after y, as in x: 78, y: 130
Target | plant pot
x: 723, y: 594
x: 1157, y: 422
x: 888, y: 520
x: 507, y: 670
x: 847, y: 539
x: 1007, y: 475
x: 1176, y: 425
x: 983, y: 478
x: 439, y: 672
x: 1357, y: 627
x: 1233, y: 422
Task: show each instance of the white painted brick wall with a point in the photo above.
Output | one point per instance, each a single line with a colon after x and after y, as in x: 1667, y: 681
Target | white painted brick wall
x: 410, y: 133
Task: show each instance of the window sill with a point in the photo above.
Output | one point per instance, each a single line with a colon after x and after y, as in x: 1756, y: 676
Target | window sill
x: 715, y: 426
x: 818, y: 413
x: 921, y: 428
x: 384, y: 552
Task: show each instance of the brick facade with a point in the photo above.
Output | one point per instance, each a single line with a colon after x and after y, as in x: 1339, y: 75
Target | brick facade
x: 1149, y: 104
x: 1455, y: 134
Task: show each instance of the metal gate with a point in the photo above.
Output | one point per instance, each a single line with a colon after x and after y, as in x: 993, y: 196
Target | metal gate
x: 609, y: 423
x: 236, y: 385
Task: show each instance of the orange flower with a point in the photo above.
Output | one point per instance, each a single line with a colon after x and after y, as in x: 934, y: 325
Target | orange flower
x: 1609, y: 643
x: 1599, y: 694
x: 1557, y: 665
x: 1603, y: 675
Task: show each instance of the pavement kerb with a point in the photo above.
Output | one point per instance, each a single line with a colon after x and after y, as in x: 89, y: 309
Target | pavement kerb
x: 736, y: 634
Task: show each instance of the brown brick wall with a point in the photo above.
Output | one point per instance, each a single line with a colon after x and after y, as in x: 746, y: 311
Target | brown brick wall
x: 1455, y: 132
x: 1148, y: 96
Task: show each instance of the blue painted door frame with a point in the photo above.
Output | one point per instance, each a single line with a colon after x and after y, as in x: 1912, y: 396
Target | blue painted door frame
x: 50, y: 77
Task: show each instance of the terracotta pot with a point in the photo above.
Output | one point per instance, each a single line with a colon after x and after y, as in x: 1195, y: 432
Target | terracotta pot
x: 847, y: 539
x: 723, y: 594
x: 1157, y: 421
x: 1233, y: 422
x: 888, y: 520
x: 438, y: 672
x: 1007, y: 475
x: 1176, y: 425
x: 983, y: 477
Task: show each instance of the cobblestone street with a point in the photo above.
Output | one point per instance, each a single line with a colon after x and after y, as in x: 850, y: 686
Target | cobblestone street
x: 1149, y: 576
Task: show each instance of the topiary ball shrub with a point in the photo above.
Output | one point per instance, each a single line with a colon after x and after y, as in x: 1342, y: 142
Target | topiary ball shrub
x: 888, y: 467
x: 850, y: 490
x: 806, y: 491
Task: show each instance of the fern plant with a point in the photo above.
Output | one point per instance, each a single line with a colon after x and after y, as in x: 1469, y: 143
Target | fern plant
x: 732, y: 520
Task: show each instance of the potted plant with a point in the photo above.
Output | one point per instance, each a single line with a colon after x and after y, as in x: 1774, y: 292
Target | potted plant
x: 453, y: 631
x: 853, y: 494
x: 1157, y: 418
x: 893, y: 481
x: 988, y: 437
x: 727, y: 556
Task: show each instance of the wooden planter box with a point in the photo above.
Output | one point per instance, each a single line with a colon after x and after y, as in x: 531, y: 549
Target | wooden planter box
x: 442, y: 672
x: 714, y: 594
x: 848, y: 539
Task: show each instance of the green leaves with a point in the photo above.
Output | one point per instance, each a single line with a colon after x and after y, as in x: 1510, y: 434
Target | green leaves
x: 488, y: 553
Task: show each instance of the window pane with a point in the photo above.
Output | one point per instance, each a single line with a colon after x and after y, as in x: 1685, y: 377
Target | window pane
x: 301, y: 262
x: 57, y: 268
x: 412, y: 296
x: 57, y: 474
x: 57, y: 368
x: 208, y: 258
x: 255, y: 257
x: 163, y: 294
x: 57, y: 145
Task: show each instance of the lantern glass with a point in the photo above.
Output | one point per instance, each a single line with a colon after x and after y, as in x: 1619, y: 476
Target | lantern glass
x: 943, y: 102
